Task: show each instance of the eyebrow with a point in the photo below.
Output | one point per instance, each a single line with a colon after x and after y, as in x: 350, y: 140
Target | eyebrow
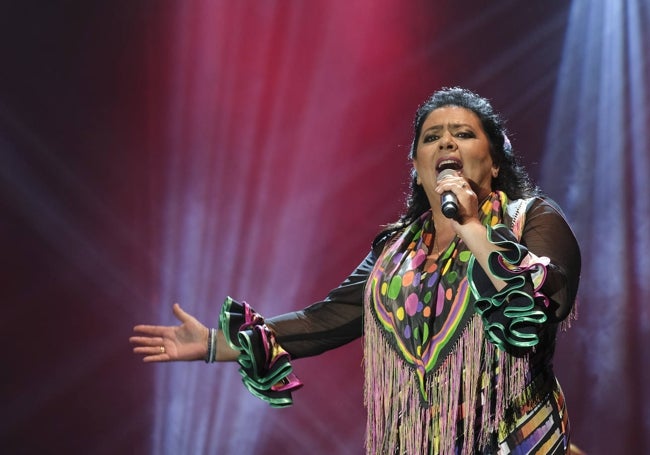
x: 453, y: 126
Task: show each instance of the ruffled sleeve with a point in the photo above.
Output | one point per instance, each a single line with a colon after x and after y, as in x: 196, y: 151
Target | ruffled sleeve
x: 513, y: 316
x: 267, y: 346
x: 265, y: 366
x: 541, y: 270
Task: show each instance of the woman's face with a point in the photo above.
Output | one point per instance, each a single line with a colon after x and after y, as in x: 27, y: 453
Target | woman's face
x: 452, y: 137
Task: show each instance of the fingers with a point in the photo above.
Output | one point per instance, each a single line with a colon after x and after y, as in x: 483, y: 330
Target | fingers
x: 454, y: 184
x: 159, y: 330
x: 180, y: 314
x: 156, y: 358
x: 148, y: 350
x: 152, y: 354
x: 152, y: 348
x: 147, y: 341
x: 465, y: 195
x: 151, y: 330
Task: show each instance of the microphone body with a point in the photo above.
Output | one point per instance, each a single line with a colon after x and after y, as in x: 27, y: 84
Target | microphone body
x: 448, y: 200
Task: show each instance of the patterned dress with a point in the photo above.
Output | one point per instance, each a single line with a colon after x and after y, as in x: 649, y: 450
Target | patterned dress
x: 452, y: 366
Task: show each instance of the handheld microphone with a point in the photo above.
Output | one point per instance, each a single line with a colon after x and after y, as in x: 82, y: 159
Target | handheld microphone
x: 448, y: 200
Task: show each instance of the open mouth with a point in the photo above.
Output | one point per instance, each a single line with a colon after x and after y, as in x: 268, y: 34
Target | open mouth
x: 449, y: 163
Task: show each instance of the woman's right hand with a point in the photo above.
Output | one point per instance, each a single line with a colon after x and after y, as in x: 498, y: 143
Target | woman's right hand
x: 158, y: 343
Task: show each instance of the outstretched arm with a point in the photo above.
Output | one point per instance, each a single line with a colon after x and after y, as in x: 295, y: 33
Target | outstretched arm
x: 187, y: 341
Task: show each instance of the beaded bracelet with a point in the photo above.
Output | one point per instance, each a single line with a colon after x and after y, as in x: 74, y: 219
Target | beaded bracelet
x: 211, y: 356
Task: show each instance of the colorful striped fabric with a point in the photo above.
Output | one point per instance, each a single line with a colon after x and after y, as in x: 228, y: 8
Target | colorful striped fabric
x: 541, y: 430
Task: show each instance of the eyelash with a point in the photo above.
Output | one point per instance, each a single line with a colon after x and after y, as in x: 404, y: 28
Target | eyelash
x: 462, y: 135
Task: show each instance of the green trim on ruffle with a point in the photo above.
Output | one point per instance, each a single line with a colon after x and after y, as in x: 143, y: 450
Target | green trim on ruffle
x: 518, y: 307
x: 265, y: 367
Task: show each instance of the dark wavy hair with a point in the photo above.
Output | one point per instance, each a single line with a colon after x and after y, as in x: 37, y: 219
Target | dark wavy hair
x: 512, y: 179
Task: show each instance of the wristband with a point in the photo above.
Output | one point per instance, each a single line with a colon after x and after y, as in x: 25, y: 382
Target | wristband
x: 211, y: 356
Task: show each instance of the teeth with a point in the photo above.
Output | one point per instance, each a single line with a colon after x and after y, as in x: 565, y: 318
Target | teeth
x: 449, y: 164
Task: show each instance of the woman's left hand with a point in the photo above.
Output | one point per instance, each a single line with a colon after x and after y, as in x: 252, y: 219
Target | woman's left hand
x: 157, y: 343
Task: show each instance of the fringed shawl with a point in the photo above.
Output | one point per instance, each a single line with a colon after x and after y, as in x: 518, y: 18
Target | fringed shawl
x: 434, y: 382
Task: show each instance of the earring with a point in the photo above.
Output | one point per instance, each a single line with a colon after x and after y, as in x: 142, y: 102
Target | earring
x: 417, y: 177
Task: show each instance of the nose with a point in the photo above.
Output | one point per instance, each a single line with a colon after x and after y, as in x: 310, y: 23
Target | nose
x: 447, y: 141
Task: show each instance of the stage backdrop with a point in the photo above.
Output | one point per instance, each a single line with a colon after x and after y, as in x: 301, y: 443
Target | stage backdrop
x: 155, y: 152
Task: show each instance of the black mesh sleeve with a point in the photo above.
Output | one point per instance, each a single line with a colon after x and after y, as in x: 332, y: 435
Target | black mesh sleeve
x: 546, y: 233
x: 330, y: 323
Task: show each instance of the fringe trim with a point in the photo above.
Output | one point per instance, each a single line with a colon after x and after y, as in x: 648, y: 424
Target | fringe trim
x: 398, y: 422
x: 567, y: 322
